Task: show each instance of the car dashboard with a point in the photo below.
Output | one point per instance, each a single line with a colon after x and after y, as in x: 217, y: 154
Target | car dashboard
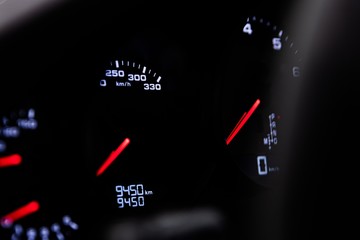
x: 170, y: 120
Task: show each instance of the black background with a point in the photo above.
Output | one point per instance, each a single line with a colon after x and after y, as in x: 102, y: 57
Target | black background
x: 43, y: 59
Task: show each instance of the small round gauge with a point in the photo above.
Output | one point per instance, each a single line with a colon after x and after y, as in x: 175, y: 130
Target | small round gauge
x: 38, y: 190
x: 260, y: 71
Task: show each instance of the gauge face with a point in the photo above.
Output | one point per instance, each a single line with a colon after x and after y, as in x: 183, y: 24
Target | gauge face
x: 261, y: 63
x: 127, y: 133
x: 38, y: 189
x: 149, y: 147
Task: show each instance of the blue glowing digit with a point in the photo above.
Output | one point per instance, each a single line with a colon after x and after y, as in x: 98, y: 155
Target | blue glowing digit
x: 126, y: 189
x: 140, y: 189
x: 119, y: 190
x: 120, y: 201
x: 134, y: 202
x: 141, y: 201
x: 132, y: 190
x: 127, y: 201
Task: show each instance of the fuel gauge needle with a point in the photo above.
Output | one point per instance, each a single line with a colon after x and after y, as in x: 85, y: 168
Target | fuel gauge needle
x: 11, y: 160
x: 19, y: 213
x: 245, y: 117
x: 113, y: 155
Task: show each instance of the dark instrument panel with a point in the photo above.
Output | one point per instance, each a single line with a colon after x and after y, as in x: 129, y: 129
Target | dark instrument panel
x: 170, y: 120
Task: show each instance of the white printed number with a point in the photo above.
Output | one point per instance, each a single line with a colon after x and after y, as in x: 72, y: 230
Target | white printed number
x: 114, y: 73
x: 137, y: 77
x: 276, y: 44
x: 296, y: 71
x: 152, y: 86
x: 247, y: 29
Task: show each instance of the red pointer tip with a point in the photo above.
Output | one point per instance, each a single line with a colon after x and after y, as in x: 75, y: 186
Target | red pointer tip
x: 19, y: 213
x: 11, y: 160
x: 242, y: 121
x: 113, y: 155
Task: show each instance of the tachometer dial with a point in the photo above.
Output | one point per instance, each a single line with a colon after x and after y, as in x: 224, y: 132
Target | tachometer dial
x: 261, y: 69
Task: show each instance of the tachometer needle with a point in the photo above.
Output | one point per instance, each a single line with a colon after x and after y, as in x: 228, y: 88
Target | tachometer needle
x: 242, y: 121
x: 21, y: 212
x: 113, y: 155
x: 11, y: 160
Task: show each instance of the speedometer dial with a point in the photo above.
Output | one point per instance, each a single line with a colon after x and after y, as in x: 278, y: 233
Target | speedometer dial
x: 148, y: 144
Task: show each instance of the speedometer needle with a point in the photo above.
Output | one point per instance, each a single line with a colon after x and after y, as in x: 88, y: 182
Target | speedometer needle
x: 11, y: 160
x: 242, y: 121
x: 19, y: 213
x: 113, y: 155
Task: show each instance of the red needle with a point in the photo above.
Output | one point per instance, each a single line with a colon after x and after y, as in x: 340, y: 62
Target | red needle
x: 21, y: 212
x: 113, y: 155
x: 242, y: 117
x: 242, y: 121
x: 11, y: 160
